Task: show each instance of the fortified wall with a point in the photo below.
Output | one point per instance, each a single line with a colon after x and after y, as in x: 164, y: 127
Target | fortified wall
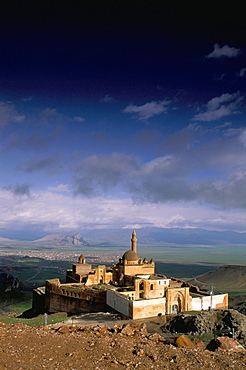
x: 73, y: 298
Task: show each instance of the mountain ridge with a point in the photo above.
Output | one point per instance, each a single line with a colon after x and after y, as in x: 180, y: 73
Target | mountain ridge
x: 224, y: 277
x: 146, y: 236
x: 60, y: 239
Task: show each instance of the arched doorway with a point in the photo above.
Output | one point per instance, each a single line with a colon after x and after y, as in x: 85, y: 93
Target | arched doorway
x: 175, y: 308
x: 178, y: 303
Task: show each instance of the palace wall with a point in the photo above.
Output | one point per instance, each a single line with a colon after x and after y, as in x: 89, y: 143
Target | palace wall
x: 135, y: 309
x: 118, y: 302
x: 147, y: 308
x: 216, y: 302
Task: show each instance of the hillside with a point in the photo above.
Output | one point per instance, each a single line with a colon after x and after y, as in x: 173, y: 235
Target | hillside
x: 104, y: 348
x: 227, y: 277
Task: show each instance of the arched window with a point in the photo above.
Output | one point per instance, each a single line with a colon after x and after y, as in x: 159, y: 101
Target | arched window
x: 141, y: 286
x: 151, y: 286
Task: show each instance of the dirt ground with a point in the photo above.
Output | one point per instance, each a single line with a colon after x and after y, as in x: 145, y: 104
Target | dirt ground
x: 103, y: 346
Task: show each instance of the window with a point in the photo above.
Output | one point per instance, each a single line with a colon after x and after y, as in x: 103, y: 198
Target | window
x: 141, y: 286
x: 151, y: 286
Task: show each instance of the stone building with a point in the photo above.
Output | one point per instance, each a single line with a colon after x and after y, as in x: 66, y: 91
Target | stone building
x: 130, y: 287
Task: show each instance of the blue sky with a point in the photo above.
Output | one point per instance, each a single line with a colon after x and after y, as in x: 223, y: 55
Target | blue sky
x: 121, y: 114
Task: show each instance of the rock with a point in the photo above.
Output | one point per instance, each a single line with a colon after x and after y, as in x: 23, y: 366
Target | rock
x: 206, y: 322
x: 63, y: 330
x: 225, y: 344
x: 142, y: 328
x: 157, y: 338
x: 198, y: 343
x: 127, y: 330
x: 183, y: 342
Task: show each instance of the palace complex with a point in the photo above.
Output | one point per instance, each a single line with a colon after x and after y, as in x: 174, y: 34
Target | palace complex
x: 130, y: 287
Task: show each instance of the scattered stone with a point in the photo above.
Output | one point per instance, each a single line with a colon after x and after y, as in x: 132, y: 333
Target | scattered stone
x: 183, y: 342
x: 127, y: 330
x: 199, y: 344
x: 80, y: 348
x: 157, y: 338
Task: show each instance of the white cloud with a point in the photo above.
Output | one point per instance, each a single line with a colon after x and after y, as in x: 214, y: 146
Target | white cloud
x: 27, y: 99
x: 49, y: 115
x: 50, y: 112
x: 242, y: 138
x: 220, y: 106
x: 106, y: 99
x: 165, y: 165
x: 59, y: 188
x: 147, y: 110
x: 61, y: 212
x: 242, y: 72
x: 18, y: 118
x: 224, y: 51
x: 79, y: 119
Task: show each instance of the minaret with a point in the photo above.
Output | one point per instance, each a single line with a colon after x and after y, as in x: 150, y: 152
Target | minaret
x: 134, y: 242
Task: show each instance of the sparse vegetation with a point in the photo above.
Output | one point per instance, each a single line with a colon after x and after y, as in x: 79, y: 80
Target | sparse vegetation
x: 34, y: 321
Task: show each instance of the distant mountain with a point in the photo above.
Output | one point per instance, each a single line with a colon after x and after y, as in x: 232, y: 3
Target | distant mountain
x: 159, y: 236
x: 147, y: 236
x: 4, y: 239
x: 225, y: 277
x: 60, y: 239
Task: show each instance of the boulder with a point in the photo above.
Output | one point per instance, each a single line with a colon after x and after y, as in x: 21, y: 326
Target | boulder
x: 225, y: 344
x: 64, y: 330
x: 183, y: 342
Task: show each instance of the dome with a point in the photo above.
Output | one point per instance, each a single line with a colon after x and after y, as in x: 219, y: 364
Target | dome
x: 130, y: 256
x: 81, y: 259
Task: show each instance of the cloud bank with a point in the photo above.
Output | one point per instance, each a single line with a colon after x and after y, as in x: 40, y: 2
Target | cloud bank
x: 55, y: 212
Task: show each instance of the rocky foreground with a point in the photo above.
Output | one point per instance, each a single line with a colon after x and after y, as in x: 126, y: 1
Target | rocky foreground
x: 101, y: 347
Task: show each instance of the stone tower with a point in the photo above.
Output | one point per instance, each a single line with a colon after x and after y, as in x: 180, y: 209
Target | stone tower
x: 134, y: 242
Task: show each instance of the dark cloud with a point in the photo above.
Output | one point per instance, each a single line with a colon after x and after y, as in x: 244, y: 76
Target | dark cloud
x: 50, y: 163
x: 101, y: 173
x: 173, y: 177
x: 19, y: 189
x: 226, y: 194
x: 22, y: 139
x: 161, y: 190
